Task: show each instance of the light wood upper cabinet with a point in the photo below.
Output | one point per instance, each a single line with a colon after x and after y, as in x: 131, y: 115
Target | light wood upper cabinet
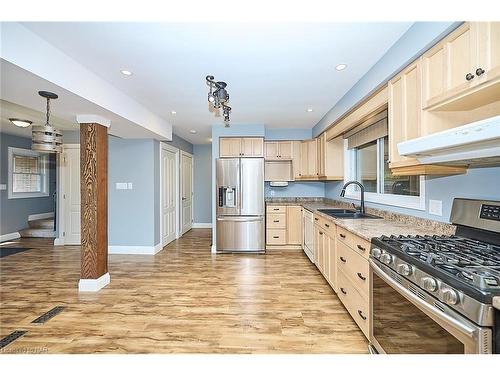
x: 312, y: 158
x: 241, y: 147
x: 404, y: 112
x: 278, y: 150
x: 304, y: 159
x: 296, y: 159
x: 466, y: 58
x: 321, y: 155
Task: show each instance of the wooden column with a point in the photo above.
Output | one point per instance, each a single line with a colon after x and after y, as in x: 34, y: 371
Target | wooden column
x: 94, y: 206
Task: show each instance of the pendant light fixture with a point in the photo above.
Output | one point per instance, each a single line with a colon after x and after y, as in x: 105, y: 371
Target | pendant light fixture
x: 219, y: 97
x: 46, y: 138
x: 20, y: 122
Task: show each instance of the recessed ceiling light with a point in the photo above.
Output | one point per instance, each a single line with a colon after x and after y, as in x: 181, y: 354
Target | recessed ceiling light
x: 173, y: 113
x: 126, y: 72
x: 20, y: 123
x: 309, y: 109
x: 193, y: 131
x: 341, y: 67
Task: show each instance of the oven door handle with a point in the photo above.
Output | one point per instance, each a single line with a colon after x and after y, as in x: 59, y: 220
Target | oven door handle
x: 463, y: 327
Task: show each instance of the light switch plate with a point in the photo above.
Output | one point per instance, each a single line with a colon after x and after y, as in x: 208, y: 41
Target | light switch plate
x: 130, y: 186
x: 435, y: 207
x: 121, y: 186
x: 3, y: 186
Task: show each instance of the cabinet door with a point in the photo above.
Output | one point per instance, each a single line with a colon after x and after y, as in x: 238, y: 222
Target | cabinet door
x: 460, y: 59
x: 285, y: 150
x: 271, y: 150
x: 294, y: 225
x: 304, y: 156
x: 312, y: 158
x: 320, y: 154
x: 404, y: 112
x: 488, y: 44
x: 296, y: 159
x: 332, y: 261
x: 326, y: 256
x: 252, y: 147
x: 318, y: 247
x: 433, y: 70
x: 229, y: 147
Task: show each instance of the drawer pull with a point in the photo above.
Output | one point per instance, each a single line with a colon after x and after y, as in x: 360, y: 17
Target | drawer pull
x: 276, y: 236
x: 361, y: 276
x: 276, y: 221
x: 326, y: 225
x: 316, y: 219
x: 361, y: 248
x: 343, y: 259
x: 276, y: 209
x: 342, y: 235
x: 343, y: 291
x: 320, y: 233
x: 361, y: 315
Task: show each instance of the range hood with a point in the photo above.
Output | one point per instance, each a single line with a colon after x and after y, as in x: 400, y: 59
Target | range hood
x: 477, y: 143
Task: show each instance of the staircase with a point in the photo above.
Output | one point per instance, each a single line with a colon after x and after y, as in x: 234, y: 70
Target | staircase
x: 43, y: 228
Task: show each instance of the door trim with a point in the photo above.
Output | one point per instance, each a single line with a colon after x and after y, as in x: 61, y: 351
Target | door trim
x: 176, y: 151
x: 184, y: 153
x: 60, y: 189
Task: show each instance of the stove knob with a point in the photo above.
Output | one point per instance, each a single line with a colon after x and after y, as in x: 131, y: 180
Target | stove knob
x: 429, y: 284
x: 450, y: 296
x: 376, y: 252
x: 386, y: 258
x: 404, y: 269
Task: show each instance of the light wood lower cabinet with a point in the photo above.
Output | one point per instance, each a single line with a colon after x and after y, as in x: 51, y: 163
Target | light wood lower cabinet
x: 283, y: 227
x: 325, y: 250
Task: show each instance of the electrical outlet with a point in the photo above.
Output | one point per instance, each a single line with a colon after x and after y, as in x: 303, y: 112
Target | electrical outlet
x: 121, y: 186
x: 435, y: 207
x: 3, y: 186
x: 129, y: 186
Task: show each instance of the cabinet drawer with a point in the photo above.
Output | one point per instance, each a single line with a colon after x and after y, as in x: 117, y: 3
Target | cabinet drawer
x: 355, y: 267
x: 356, y: 304
x: 357, y: 243
x: 276, y: 209
x: 276, y: 221
x: 276, y: 237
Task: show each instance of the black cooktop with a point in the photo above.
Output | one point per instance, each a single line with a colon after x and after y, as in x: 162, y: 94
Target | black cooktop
x: 469, y: 265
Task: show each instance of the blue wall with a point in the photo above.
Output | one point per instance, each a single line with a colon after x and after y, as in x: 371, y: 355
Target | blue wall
x: 480, y: 183
x: 181, y: 144
x: 419, y: 37
x: 14, y: 212
x: 131, y: 213
x: 202, y: 160
x: 288, y: 134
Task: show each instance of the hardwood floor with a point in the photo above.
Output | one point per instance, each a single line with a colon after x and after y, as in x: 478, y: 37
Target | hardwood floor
x: 182, y: 300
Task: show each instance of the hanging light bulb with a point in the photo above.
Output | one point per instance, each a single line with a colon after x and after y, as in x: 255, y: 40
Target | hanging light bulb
x: 46, y: 138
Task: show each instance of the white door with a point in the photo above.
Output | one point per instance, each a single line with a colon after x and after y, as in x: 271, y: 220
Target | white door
x: 187, y: 191
x: 71, y: 196
x: 168, y: 197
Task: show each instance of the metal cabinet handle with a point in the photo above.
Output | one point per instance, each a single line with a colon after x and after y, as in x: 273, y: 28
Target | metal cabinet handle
x: 343, y: 291
x: 342, y: 235
x: 469, y: 76
x: 479, y: 71
x: 276, y: 221
x: 276, y: 236
x: 361, y: 315
x: 360, y: 275
x: 320, y: 233
x: 361, y: 248
x: 343, y: 259
x: 326, y: 225
x: 316, y: 219
x: 276, y: 209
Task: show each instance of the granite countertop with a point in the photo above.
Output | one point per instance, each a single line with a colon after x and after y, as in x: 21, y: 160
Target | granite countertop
x: 367, y: 228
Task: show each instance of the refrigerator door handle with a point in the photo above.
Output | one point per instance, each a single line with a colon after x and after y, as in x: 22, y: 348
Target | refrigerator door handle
x: 240, y: 218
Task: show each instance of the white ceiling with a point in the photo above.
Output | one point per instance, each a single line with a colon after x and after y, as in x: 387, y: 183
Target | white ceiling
x: 274, y: 71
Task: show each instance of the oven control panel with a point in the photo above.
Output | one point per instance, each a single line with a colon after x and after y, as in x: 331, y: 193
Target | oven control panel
x: 490, y: 212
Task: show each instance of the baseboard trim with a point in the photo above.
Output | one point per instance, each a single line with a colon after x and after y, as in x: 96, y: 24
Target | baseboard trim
x: 46, y: 215
x: 202, y: 225
x: 59, y: 241
x: 135, y: 250
x: 9, y: 236
x: 94, y: 285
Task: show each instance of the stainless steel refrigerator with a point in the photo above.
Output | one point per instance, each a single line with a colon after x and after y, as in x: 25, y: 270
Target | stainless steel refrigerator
x: 240, y: 205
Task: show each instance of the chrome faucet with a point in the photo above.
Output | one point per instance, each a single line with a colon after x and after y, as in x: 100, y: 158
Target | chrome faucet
x: 342, y: 193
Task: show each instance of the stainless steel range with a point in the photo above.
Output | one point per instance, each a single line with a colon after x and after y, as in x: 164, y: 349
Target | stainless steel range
x: 433, y: 294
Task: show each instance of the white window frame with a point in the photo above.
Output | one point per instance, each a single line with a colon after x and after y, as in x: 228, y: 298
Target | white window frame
x: 352, y: 192
x: 45, y: 173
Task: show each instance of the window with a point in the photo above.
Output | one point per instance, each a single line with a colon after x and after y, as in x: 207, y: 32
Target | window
x: 28, y: 174
x: 368, y: 163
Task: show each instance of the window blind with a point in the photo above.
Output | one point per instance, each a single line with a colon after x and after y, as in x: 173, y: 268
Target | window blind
x: 369, y: 131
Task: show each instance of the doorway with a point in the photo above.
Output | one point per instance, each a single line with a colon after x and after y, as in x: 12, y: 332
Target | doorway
x: 187, y: 191
x: 169, y: 161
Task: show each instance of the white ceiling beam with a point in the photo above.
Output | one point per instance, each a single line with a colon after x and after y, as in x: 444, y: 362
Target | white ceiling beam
x: 27, y: 50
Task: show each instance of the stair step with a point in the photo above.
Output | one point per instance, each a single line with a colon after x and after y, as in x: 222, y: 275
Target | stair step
x: 37, y: 232
x: 41, y: 224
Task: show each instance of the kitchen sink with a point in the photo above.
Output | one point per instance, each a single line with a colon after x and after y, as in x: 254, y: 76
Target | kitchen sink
x: 347, y: 214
